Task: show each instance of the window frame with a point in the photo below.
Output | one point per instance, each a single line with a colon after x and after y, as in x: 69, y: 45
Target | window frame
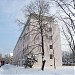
x: 51, y: 56
x: 51, y: 46
x: 50, y: 29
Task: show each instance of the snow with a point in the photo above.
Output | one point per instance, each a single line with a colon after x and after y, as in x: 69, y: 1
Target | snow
x: 14, y: 70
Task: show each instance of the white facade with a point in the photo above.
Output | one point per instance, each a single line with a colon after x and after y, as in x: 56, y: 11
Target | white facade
x: 52, y: 43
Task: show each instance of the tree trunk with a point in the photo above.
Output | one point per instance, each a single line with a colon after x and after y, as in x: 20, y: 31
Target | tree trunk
x: 42, y: 42
x: 73, y: 58
x: 43, y: 61
x: 43, y: 64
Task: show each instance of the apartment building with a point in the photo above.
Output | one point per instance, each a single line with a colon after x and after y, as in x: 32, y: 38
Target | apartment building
x: 30, y: 42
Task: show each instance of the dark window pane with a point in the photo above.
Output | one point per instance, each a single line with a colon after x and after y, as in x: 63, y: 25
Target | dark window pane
x: 24, y: 37
x: 23, y: 51
x: 51, y: 46
x: 50, y: 37
x: 51, y: 56
x: 23, y: 43
x: 27, y: 46
x: 50, y: 29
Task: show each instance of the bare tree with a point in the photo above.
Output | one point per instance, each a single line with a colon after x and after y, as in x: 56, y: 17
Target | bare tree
x: 66, y: 15
x: 39, y: 28
x: 6, y: 59
x: 40, y: 7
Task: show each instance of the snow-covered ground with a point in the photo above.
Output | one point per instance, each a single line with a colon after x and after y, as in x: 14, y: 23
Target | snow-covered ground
x: 14, y: 70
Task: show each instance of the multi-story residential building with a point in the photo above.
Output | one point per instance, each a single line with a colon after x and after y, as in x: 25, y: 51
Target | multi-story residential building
x: 11, y: 58
x: 30, y: 41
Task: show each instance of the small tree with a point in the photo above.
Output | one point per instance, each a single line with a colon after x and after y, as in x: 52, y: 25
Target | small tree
x: 30, y: 60
x: 66, y: 58
x: 6, y: 59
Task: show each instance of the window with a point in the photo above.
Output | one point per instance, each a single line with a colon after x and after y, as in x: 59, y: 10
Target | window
x: 23, y: 43
x: 22, y: 57
x: 23, y: 51
x: 51, y: 46
x: 51, y: 56
x: 27, y: 46
x: 24, y: 36
x: 50, y: 29
x: 50, y: 37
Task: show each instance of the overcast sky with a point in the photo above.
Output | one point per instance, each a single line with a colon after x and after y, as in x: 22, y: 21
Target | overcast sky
x: 10, y: 10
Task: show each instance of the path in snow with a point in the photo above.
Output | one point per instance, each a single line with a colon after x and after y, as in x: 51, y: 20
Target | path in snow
x: 10, y: 69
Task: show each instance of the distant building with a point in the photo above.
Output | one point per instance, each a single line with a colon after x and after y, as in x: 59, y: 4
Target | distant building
x: 11, y: 58
x: 52, y: 45
x: 1, y: 60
